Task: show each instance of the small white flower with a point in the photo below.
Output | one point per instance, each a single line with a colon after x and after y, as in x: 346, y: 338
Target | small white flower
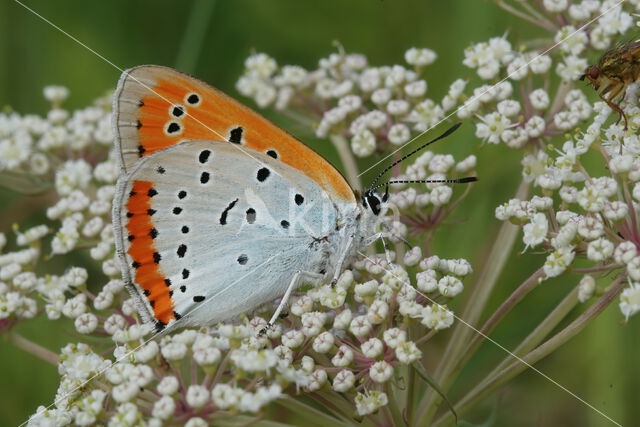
x: 394, y: 336
x: 55, y: 94
x: 197, y: 396
x: 491, y: 127
x: 125, y: 391
x: 630, y: 300
x: 450, y: 286
x: 535, y: 232
x: 363, y: 143
x: 539, y: 99
x: 318, y: 379
x: 168, y: 385
x: 558, y: 261
x: 407, y: 352
x: 369, y: 402
x: 535, y: 126
x: 372, y: 348
x: 540, y: 64
x: 427, y: 280
x: 292, y: 338
x: 586, y: 288
x: 572, y: 67
x: 301, y: 305
x: 616, y: 210
x: 196, y: 422
x: 343, y: 357
x: 625, y: 252
x: 398, y: 134
x: 343, y: 381
x: 556, y: 5
x: 599, y: 250
x: 508, y: 107
x: 437, y: 317
x: 416, y: 89
x: 312, y: 323
x: 323, y: 342
x: 342, y: 319
x: 419, y: 57
x: 380, y: 372
x: 86, y: 323
x: 164, y: 408
x: 360, y: 326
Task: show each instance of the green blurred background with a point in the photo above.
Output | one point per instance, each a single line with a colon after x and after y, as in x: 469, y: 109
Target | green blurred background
x: 599, y: 365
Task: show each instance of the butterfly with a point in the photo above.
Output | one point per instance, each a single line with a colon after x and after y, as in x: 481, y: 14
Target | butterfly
x: 217, y: 210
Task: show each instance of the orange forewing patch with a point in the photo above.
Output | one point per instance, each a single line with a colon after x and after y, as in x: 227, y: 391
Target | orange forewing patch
x: 147, y: 272
x: 214, y: 117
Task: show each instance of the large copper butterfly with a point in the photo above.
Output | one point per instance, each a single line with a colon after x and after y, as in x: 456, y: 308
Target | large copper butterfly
x: 218, y: 210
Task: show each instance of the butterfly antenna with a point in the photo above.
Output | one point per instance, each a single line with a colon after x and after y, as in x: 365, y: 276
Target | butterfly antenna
x: 422, y: 147
x: 426, y: 181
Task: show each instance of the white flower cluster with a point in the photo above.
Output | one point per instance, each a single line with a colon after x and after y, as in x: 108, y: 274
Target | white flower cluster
x: 348, y: 339
x: 576, y: 213
x: 357, y: 331
x: 372, y: 106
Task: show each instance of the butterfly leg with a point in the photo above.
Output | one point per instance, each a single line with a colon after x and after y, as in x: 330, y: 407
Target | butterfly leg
x: 295, y: 282
x: 340, y: 264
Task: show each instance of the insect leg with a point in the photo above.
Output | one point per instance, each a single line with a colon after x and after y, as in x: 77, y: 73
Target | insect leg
x: 295, y: 281
x: 336, y: 274
x: 613, y: 90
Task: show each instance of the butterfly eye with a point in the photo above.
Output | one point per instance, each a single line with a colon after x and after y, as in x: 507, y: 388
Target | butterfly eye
x: 371, y: 200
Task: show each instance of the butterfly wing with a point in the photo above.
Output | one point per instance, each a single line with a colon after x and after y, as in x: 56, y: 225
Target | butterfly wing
x: 205, y: 232
x: 157, y: 107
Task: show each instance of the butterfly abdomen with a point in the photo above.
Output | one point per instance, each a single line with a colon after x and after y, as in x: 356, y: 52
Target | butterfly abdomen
x: 146, y: 260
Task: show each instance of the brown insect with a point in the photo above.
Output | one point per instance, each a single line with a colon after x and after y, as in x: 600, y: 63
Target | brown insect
x: 616, y: 69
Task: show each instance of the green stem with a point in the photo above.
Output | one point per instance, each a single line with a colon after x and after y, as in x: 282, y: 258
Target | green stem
x: 348, y: 161
x: 194, y: 35
x: 541, y: 331
x: 33, y: 348
x: 310, y: 414
x: 475, y: 304
x: 517, y: 296
x: 515, y: 367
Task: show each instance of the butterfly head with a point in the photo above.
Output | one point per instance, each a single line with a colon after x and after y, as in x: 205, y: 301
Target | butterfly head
x: 373, y: 201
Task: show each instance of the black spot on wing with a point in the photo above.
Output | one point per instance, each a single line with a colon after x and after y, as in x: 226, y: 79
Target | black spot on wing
x: 182, y: 250
x: 223, y: 217
x: 198, y: 298
x: 173, y: 127
x: 185, y: 273
x: 299, y: 199
x: 272, y: 153
x: 263, y: 174
x: 235, y: 135
x: 251, y: 215
x: 203, y: 157
x: 193, y: 99
x: 285, y: 224
x: 242, y: 259
x: 177, y: 111
x: 204, y: 177
x: 182, y: 194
